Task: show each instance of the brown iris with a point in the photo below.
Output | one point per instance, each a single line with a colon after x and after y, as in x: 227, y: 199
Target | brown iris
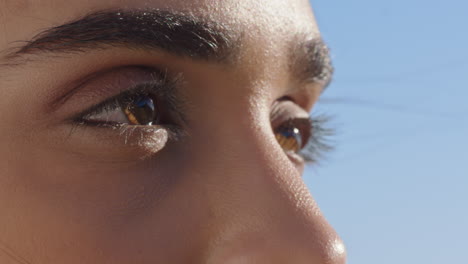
x: 294, y: 134
x: 289, y: 139
x: 141, y: 110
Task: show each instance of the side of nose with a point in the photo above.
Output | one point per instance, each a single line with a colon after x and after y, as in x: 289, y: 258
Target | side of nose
x: 263, y: 212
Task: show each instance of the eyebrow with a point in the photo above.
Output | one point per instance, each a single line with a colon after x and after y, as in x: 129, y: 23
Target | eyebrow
x: 311, y: 61
x: 176, y: 33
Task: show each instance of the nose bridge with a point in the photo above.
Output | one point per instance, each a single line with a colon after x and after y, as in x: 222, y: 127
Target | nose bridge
x: 263, y: 209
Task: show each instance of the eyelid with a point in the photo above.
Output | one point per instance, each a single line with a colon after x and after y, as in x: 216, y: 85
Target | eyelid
x: 284, y: 109
x: 304, y: 95
x: 103, y: 83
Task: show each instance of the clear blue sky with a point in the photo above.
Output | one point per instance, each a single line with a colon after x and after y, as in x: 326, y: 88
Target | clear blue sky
x: 396, y: 187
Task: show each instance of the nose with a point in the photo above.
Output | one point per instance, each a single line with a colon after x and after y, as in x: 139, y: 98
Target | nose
x: 262, y: 212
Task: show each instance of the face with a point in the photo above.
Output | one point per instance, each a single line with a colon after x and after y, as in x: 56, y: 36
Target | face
x: 151, y: 131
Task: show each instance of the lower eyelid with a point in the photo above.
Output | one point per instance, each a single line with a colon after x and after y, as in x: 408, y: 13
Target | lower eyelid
x: 116, y: 143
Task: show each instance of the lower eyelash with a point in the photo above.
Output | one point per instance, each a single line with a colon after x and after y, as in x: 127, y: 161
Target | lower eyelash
x: 320, y: 142
x: 175, y: 133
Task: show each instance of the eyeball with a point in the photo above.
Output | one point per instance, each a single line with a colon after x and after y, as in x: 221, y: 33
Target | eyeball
x: 289, y: 138
x: 131, y: 109
x: 291, y: 125
x: 294, y: 134
x: 141, y: 110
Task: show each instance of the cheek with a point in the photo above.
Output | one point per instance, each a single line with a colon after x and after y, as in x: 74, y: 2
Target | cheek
x: 71, y: 186
x: 81, y: 203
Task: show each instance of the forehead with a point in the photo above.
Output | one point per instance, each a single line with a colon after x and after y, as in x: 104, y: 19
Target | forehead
x: 268, y: 19
x: 219, y: 8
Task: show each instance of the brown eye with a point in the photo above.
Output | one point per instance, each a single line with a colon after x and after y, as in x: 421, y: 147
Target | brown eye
x: 290, y: 139
x: 141, y: 110
x: 291, y: 125
x: 294, y: 134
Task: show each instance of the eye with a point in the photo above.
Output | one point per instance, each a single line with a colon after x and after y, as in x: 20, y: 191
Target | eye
x: 294, y: 134
x: 141, y: 110
x: 126, y: 114
x: 291, y: 125
x: 128, y: 108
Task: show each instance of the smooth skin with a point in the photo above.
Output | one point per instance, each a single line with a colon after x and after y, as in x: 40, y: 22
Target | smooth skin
x: 224, y: 193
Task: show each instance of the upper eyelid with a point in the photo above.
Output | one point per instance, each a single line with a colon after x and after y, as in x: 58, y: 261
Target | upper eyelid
x: 81, y: 83
x: 106, y: 81
x: 100, y: 86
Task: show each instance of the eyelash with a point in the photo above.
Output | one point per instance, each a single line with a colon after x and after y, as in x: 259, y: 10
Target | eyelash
x: 319, y: 142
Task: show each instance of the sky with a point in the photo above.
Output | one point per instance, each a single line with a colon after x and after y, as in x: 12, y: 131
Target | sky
x: 396, y: 185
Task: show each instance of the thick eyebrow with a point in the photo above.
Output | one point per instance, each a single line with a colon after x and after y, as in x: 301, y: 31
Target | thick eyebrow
x: 176, y: 33
x: 311, y: 61
x: 181, y: 34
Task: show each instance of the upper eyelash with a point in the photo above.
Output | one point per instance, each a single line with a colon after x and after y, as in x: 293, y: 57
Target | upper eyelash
x: 320, y: 140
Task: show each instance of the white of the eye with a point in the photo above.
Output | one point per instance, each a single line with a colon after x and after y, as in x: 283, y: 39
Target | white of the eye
x: 110, y: 116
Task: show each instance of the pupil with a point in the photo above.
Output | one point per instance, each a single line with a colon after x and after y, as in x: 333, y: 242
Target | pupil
x: 141, y: 111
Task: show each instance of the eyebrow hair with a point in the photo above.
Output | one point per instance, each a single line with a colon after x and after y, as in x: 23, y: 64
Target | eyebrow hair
x: 181, y: 34
x: 176, y: 33
x: 311, y: 61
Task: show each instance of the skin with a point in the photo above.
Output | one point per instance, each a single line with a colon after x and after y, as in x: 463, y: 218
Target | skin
x: 226, y: 193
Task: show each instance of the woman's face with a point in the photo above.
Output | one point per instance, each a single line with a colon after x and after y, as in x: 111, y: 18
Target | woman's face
x: 156, y: 131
